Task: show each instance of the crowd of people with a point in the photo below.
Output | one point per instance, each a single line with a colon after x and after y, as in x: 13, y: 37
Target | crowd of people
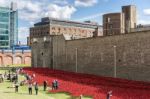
x: 55, y: 85
x: 13, y: 77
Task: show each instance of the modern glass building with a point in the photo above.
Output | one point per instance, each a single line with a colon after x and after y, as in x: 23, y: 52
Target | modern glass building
x: 8, y: 26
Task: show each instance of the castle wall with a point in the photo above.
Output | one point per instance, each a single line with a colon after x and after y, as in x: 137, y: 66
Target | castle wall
x: 97, y: 55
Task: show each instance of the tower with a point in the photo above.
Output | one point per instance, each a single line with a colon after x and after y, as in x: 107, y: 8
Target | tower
x: 130, y: 17
x: 8, y: 26
x: 13, y: 24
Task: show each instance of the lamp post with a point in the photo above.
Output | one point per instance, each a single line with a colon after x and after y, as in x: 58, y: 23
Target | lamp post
x: 115, y: 61
x: 76, y: 59
x: 57, y: 39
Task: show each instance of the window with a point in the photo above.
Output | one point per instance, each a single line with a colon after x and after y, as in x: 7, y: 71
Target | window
x: 108, y: 20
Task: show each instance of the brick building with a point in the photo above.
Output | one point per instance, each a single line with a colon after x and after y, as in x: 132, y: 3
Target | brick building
x: 70, y: 29
x: 119, y: 23
x: 113, y: 24
x: 15, y: 57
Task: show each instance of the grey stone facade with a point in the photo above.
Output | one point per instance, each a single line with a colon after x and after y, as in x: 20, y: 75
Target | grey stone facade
x: 96, y: 55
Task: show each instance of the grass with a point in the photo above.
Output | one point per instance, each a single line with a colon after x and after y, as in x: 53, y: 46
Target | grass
x: 9, y: 93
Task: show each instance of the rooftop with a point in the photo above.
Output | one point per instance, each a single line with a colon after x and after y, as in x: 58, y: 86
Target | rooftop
x: 47, y: 20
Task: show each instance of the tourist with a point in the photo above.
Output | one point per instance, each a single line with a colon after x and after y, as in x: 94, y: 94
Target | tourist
x: 45, y: 85
x: 16, y: 86
x: 16, y: 77
x: 109, y: 94
x: 2, y: 78
x: 53, y: 84
x: 36, y: 88
x: 80, y: 96
x: 30, y: 88
x: 9, y: 76
x: 33, y: 76
x: 27, y: 77
x: 57, y: 84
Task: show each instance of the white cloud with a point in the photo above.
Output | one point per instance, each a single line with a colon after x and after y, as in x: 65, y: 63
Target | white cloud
x: 144, y: 22
x: 3, y: 2
x: 85, y: 3
x: 146, y: 11
x: 61, y: 2
x: 31, y: 11
x: 23, y: 33
x: 91, y: 16
x: 56, y: 11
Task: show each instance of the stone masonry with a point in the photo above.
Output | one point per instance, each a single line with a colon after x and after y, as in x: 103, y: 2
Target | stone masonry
x: 96, y: 55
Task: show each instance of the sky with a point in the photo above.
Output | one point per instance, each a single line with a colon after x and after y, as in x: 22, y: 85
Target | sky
x: 31, y: 11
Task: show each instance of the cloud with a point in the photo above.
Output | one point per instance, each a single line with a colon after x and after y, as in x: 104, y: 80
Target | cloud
x: 33, y: 11
x: 4, y: 2
x: 146, y: 11
x: 56, y: 11
x: 144, y: 22
x: 92, y: 16
x: 30, y: 11
x: 23, y: 33
x: 61, y: 2
x: 85, y: 3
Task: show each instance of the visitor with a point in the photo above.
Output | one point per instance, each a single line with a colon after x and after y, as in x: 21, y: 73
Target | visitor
x: 36, y: 88
x: 33, y: 76
x: 16, y: 77
x: 27, y: 77
x: 57, y: 84
x: 109, y: 94
x: 45, y: 85
x: 80, y: 96
x: 53, y: 84
x: 5, y: 75
x: 1, y: 77
x: 30, y: 88
x: 16, y: 86
x: 9, y: 76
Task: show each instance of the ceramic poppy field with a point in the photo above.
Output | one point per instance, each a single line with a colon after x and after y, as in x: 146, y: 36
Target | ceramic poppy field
x: 90, y: 85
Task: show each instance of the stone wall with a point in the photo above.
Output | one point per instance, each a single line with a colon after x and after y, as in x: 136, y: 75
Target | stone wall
x: 96, y: 55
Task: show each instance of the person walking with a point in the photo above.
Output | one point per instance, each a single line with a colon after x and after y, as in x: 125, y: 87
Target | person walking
x: 16, y: 86
x: 57, y: 84
x: 109, y: 94
x: 30, y: 88
x: 16, y: 77
x: 45, y: 85
x: 53, y: 87
x: 36, y: 88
